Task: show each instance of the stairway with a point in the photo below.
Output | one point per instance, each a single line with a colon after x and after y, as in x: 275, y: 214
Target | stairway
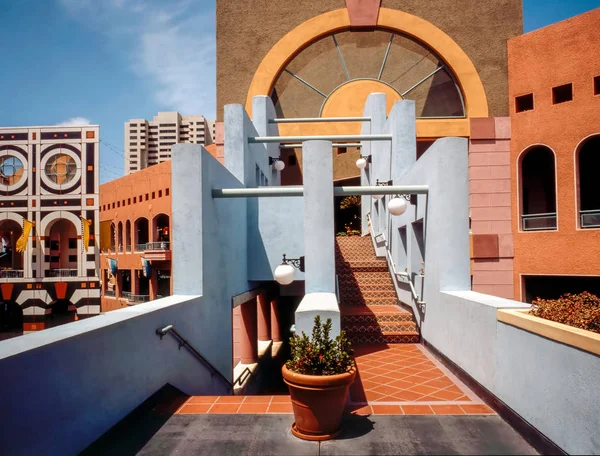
x: 368, y: 304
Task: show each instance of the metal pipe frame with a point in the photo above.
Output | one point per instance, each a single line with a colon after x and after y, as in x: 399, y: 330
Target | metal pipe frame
x: 279, y: 120
x: 275, y: 192
x: 280, y: 139
x: 299, y: 145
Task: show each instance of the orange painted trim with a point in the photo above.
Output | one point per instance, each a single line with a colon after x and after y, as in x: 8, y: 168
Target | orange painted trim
x: 338, y: 20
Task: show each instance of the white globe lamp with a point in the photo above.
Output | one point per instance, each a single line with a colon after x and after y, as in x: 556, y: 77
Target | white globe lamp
x: 397, y: 206
x: 361, y: 163
x: 279, y: 165
x: 284, y: 274
x: 376, y: 197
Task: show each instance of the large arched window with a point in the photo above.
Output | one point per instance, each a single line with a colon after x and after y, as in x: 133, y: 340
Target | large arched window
x: 538, y: 189
x: 161, y: 228
x: 128, y: 236
x: 588, y: 161
x: 64, y: 254
x: 141, y: 232
x: 11, y: 261
x: 120, y: 237
x: 113, y: 237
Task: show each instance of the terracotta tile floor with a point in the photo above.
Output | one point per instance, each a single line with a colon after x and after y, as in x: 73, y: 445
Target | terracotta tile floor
x: 401, y: 379
x: 407, y: 379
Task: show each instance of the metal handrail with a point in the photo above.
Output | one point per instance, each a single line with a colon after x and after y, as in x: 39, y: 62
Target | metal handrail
x: 337, y: 191
x: 161, y: 332
x: 158, y: 245
x: 388, y: 254
x: 11, y: 274
x: 58, y: 272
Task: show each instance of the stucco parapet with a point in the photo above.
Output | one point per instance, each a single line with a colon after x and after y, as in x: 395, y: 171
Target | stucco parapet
x: 487, y: 300
x: 568, y: 335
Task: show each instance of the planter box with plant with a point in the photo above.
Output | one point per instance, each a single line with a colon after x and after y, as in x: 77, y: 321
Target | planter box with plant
x: 319, y: 374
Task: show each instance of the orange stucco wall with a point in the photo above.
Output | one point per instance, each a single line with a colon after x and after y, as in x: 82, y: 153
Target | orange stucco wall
x: 566, y: 52
x: 145, y: 193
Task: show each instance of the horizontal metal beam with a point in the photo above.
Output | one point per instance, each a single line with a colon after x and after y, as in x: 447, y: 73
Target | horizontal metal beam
x: 299, y: 145
x: 273, y: 192
x: 278, y: 120
x: 257, y: 192
x: 280, y: 139
x: 382, y: 190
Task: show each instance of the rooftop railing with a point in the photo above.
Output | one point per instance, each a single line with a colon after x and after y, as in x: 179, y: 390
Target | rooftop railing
x: 110, y: 293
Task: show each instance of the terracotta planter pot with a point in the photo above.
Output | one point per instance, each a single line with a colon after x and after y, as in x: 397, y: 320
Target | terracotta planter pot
x: 318, y: 402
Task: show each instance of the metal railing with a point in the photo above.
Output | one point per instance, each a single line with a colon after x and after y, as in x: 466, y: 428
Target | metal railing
x: 388, y: 254
x: 337, y: 191
x: 11, y: 274
x: 590, y: 219
x: 61, y: 273
x: 110, y: 293
x: 139, y: 298
x: 120, y: 248
x: 153, y: 246
x: 126, y: 295
x: 183, y: 342
x: 538, y: 222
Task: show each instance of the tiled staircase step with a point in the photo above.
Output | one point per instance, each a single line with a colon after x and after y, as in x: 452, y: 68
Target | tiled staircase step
x: 375, y: 319
x: 360, y: 281
x: 396, y: 338
x: 353, y: 240
x: 381, y: 292
x: 380, y: 310
x: 365, y: 301
x: 381, y: 328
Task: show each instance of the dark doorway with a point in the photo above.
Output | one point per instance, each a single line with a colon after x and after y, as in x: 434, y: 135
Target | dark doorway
x: 61, y: 312
x: 11, y: 320
x: 552, y: 287
x: 347, y: 210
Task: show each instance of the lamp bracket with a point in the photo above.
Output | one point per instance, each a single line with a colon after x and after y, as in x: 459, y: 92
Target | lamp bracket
x: 274, y: 159
x: 298, y: 263
x: 384, y: 183
x: 412, y: 199
x: 367, y: 158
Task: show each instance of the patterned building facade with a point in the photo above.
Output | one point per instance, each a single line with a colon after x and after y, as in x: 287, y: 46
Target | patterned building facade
x: 49, y: 207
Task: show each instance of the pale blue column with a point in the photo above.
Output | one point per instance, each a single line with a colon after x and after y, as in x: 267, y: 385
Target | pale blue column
x: 263, y: 111
x: 317, y: 173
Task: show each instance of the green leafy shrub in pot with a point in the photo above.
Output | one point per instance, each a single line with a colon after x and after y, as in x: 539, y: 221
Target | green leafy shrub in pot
x: 319, y: 354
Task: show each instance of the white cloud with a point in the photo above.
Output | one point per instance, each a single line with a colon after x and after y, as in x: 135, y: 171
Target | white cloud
x: 173, y: 46
x: 74, y: 122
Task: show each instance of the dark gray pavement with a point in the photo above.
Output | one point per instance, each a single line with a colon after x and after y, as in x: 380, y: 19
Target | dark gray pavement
x: 270, y: 435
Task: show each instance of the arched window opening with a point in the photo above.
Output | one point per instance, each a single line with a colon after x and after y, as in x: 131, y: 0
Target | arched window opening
x: 128, y: 236
x: 141, y: 234
x: 120, y: 237
x: 589, y: 185
x: 538, y: 190
x: 113, y: 237
x: 161, y: 233
x: 11, y: 261
x: 64, y: 254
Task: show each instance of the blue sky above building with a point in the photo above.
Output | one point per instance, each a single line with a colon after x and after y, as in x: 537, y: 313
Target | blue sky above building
x: 107, y: 61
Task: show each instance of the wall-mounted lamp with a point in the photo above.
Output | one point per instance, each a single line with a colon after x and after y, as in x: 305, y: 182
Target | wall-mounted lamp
x: 362, y: 162
x: 381, y: 184
x: 398, y: 204
x: 277, y: 163
x: 284, y: 273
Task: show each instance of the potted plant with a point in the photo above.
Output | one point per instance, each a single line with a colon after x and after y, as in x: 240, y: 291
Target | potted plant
x: 319, y: 374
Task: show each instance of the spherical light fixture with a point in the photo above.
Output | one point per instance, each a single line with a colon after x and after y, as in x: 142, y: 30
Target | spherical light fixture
x: 361, y: 163
x: 277, y: 163
x: 284, y: 274
x: 376, y: 197
x: 397, y: 206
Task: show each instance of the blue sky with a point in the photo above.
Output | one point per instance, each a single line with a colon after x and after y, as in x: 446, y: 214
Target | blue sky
x: 107, y: 61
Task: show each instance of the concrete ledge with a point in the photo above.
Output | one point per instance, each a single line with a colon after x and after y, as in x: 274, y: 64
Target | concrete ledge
x: 313, y: 304
x: 568, y: 335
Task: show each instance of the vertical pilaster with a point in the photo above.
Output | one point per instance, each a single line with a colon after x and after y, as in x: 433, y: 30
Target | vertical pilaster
x: 264, y: 318
x: 249, y: 341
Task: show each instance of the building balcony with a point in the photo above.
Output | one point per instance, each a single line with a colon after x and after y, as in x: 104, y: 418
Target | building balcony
x: 158, y: 251
x: 60, y: 273
x: 138, y: 299
x: 11, y: 274
x: 110, y: 294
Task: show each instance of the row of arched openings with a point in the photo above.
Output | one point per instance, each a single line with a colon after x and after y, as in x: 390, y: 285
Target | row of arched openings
x: 128, y: 237
x: 537, y: 174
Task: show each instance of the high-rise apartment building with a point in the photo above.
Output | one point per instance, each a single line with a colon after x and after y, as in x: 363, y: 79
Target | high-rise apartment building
x: 149, y: 142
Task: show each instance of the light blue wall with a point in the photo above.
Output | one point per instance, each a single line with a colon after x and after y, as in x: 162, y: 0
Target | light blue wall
x: 62, y: 388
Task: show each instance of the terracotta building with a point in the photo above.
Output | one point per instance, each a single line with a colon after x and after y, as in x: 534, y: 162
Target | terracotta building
x: 48, y: 221
x: 554, y: 90
x: 135, y: 214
